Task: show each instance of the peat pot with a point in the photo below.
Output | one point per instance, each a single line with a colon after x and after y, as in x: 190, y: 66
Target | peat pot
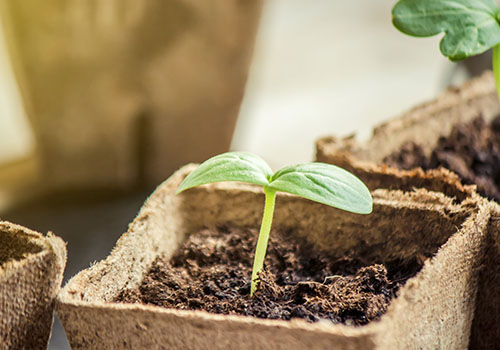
x: 434, y: 309
x: 122, y: 93
x: 424, y: 126
x: 485, y: 333
x: 31, y: 272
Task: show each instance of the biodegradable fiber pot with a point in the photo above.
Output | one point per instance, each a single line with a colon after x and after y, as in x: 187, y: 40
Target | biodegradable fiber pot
x: 433, y: 310
x: 31, y: 272
x: 485, y: 333
x: 115, y: 89
x: 423, y: 125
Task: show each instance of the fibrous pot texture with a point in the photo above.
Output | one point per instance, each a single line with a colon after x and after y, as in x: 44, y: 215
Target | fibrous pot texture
x: 485, y: 333
x: 114, y: 90
x: 31, y: 272
x: 425, y: 126
x: 433, y: 310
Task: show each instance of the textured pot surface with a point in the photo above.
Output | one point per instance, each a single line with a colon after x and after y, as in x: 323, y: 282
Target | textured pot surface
x: 434, y: 309
x: 115, y: 89
x: 485, y: 333
x: 31, y: 272
x: 423, y: 125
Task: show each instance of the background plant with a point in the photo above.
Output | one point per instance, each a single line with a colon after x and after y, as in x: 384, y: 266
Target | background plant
x: 319, y: 182
x: 470, y: 27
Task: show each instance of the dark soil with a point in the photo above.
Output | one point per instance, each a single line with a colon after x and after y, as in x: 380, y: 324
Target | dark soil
x: 472, y: 150
x: 212, y: 270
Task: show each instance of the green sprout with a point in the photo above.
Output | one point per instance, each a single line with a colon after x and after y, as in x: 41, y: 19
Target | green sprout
x: 319, y: 182
x: 470, y: 27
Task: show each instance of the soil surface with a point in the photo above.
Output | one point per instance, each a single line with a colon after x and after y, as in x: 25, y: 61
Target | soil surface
x: 472, y: 150
x: 212, y: 270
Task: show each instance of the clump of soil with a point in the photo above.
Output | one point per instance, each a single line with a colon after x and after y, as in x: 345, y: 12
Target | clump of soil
x: 212, y: 270
x: 472, y: 150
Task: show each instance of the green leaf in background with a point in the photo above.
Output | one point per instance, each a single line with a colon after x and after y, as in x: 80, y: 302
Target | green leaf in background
x: 326, y: 184
x: 230, y: 166
x: 471, y: 26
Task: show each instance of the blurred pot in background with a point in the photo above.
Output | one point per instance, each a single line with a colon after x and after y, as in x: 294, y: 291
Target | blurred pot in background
x: 121, y: 93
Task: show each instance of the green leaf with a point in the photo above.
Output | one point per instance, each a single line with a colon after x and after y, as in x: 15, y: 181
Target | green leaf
x: 320, y: 182
x: 231, y: 166
x: 471, y: 26
x: 324, y: 183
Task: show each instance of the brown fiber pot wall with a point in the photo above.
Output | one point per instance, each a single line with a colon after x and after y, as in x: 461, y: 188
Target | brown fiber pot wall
x: 485, y: 333
x: 116, y: 89
x: 424, y: 125
x: 31, y: 272
x: 434, y: 309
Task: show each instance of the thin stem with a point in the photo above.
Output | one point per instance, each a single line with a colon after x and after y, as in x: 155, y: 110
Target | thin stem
x: 496, y: 67
x: 265, y: 229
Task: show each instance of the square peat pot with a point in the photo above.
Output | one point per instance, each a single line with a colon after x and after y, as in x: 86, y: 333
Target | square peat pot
x: 423, y: 126
x: 31, y: 272
x: 485, y: 333
x: 433, y: 310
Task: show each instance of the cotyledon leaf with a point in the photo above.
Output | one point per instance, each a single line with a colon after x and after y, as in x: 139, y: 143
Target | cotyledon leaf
x: 471, y: 26
x: 324, y: 183
x: 230, y: 166
x: 319, y: 182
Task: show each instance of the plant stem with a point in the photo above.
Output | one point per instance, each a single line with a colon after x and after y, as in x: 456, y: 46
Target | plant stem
x: 496, y: 67
x: 265, y: 229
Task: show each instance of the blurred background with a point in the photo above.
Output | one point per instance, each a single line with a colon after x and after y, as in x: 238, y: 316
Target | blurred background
x: 100, y: 101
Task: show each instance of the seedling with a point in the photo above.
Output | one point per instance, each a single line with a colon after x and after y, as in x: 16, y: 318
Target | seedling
x: 319, y: 182
x: 470, y: 27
